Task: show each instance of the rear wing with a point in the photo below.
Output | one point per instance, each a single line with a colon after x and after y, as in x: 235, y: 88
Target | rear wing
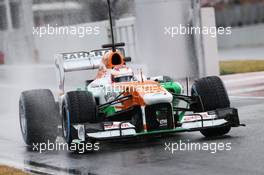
x: 78, y: 61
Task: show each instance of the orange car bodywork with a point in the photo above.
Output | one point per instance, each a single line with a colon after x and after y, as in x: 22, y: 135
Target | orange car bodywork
x: 137, y: 90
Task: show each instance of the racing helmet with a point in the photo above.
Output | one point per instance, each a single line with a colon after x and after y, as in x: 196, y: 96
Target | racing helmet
x: 122, y: 74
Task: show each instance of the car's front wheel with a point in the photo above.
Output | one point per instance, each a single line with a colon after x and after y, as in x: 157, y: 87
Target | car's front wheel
x: 78, y: 107
x: 213, y: 96
x: 39, y: 116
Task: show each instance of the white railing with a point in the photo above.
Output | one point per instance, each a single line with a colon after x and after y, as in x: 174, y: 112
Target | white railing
x: 125, y: 32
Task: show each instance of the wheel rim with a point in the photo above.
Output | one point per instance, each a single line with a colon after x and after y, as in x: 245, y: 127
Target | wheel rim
x: 23, y: 121
x: 65, y: 124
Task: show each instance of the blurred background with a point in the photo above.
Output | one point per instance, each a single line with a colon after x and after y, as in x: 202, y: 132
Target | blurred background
x: 148, y: 28
x: 141, y: 25
x: 246, y: 42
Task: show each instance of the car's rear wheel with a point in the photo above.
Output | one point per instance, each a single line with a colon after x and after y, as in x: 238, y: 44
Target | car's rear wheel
x: 39, y: 116
x: 78, y: 107
x: 213, y: 96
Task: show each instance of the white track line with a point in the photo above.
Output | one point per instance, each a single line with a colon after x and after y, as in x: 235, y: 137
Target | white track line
x: 246, y: 90
x: 246, y: 97
x: 243, y: 79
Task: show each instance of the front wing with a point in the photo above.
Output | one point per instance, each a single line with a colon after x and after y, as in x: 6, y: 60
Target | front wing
x: 191, y: 122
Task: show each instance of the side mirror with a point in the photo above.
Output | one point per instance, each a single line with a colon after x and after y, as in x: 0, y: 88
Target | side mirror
x: 127, y: 59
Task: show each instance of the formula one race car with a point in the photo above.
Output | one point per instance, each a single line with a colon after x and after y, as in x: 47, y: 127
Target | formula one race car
x: 120, y: 103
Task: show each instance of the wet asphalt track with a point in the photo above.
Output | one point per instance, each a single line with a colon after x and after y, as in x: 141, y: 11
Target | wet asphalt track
x: 145, y: 156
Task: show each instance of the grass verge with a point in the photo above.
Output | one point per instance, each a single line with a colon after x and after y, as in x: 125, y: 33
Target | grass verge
x: 241, y: 66
x: 4, y: 170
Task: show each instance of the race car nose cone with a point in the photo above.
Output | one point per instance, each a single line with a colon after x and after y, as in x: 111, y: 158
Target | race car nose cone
x: 154, y: 98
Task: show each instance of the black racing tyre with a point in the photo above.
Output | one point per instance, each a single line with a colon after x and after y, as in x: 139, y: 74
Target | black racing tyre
x: 213, y: 93
x: 78, y: 107
x: 213, y: 96
x: 39, y: 116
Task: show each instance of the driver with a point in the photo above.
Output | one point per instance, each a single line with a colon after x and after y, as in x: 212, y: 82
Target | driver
x: 119, y: 73
x: 122, y: 73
